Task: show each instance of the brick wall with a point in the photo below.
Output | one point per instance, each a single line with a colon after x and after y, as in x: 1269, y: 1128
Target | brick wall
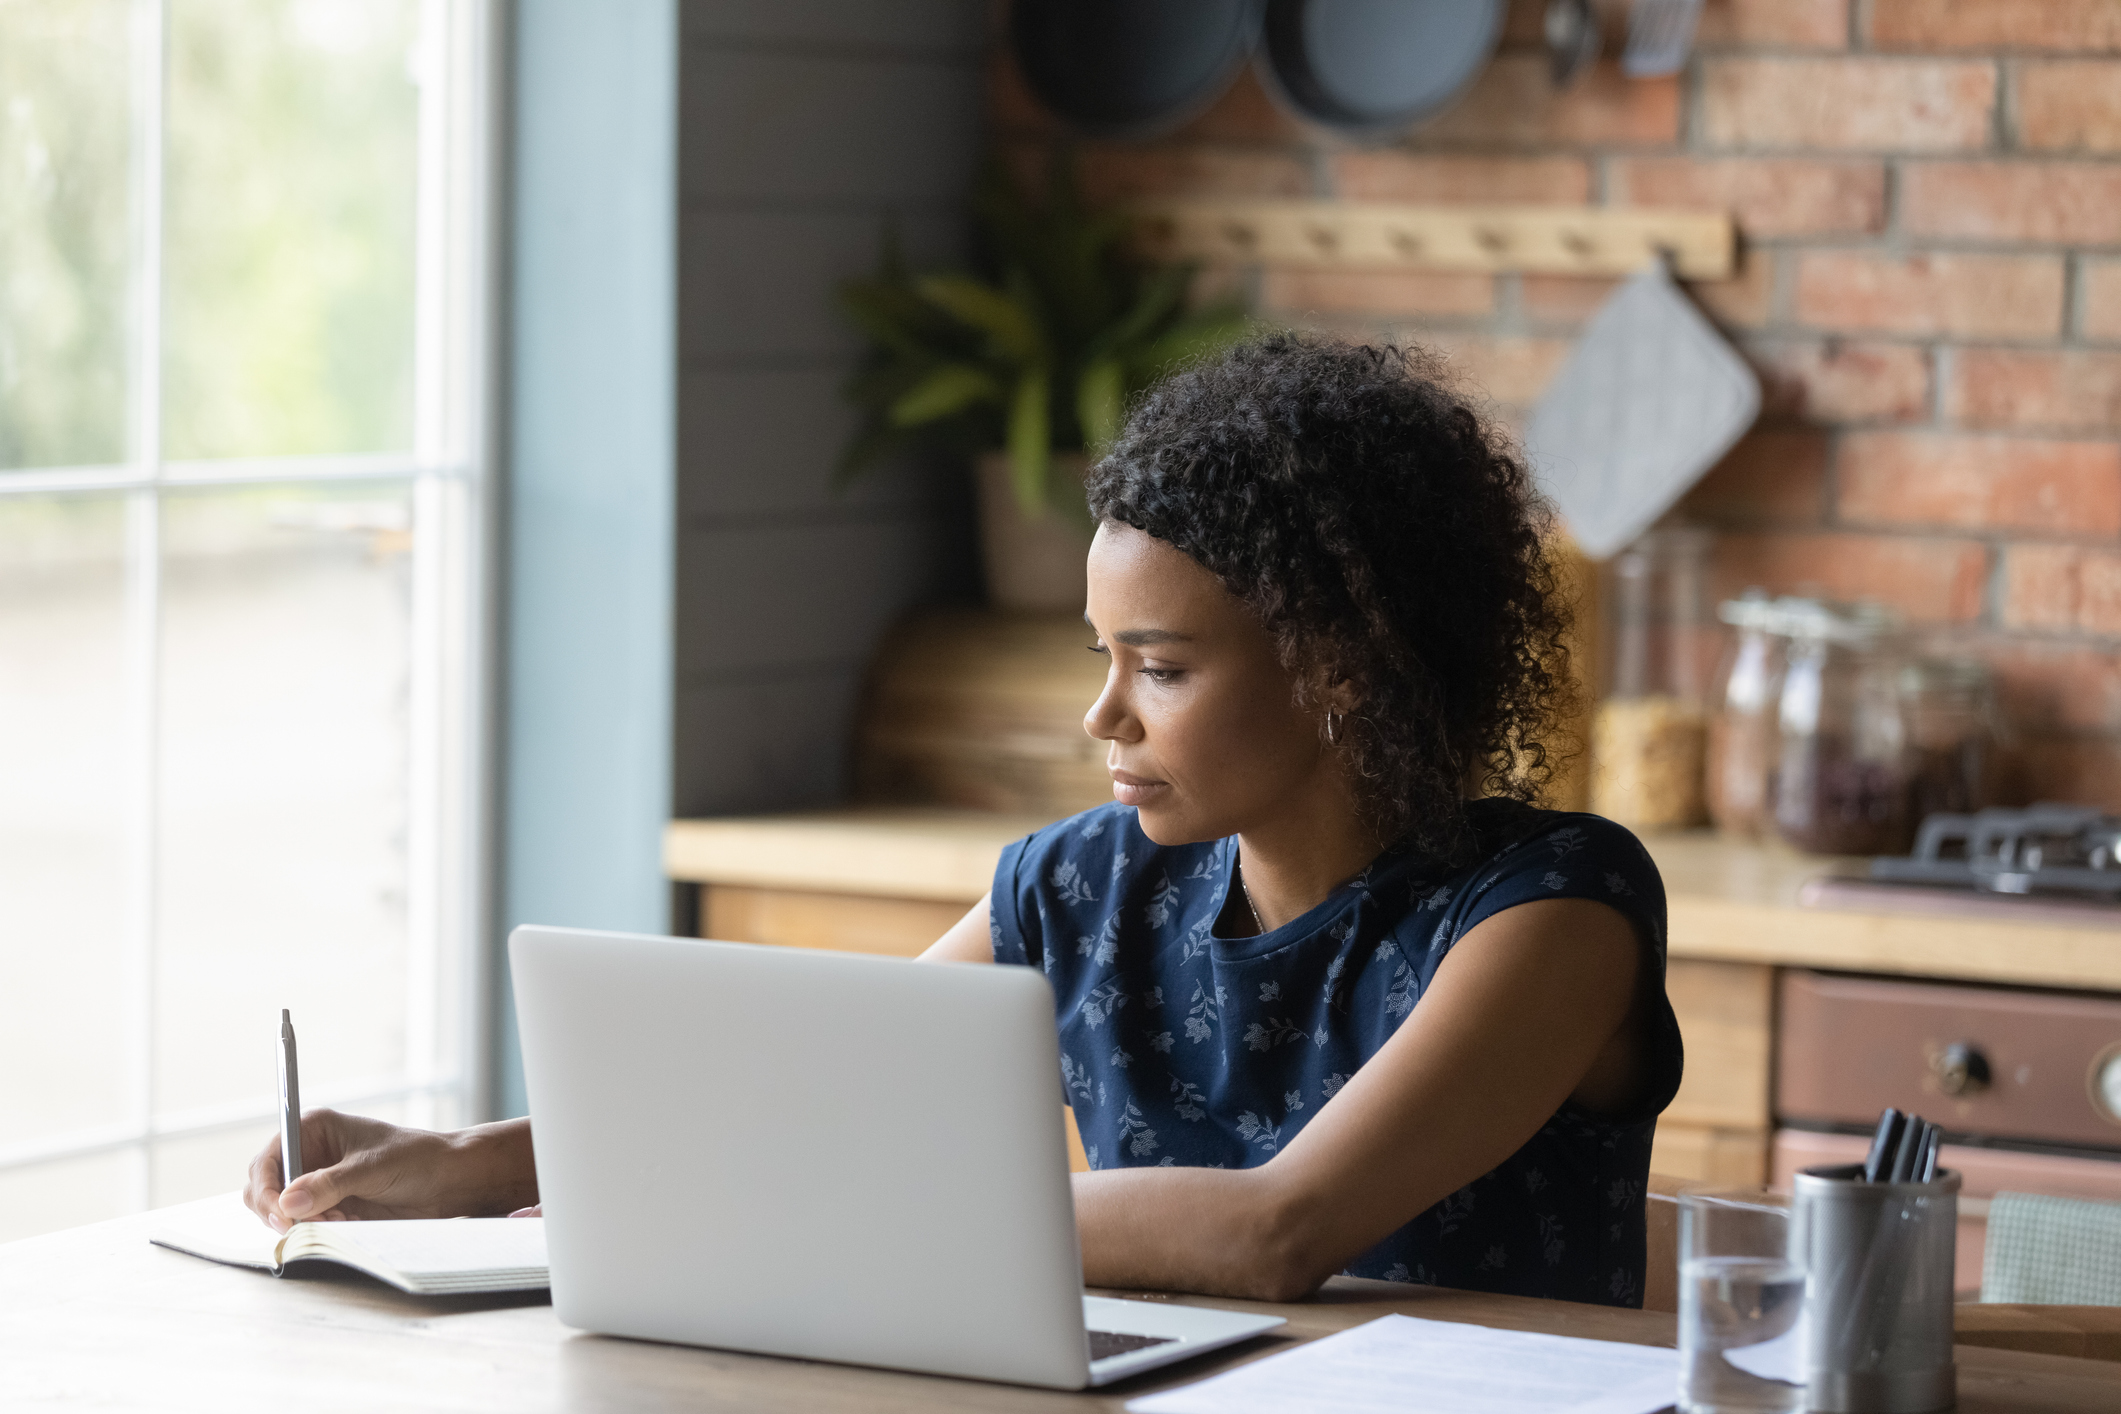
x: 1929, y: 199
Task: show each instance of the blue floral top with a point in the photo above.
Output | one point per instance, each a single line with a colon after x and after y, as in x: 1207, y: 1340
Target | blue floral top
x: 1182, y: 1047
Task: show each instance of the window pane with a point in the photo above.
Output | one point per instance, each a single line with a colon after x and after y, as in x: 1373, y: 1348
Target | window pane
x: 67, y: 1193
x: 285, y: 662
x: 64, y: 1050
x: 64, y: 122
x: 191, y: 1166
x: 292, y: 136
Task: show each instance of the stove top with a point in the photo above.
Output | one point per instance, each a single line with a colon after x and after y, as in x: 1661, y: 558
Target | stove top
x: 2067, y: 849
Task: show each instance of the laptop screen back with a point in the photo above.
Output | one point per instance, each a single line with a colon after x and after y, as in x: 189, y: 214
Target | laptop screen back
x: 802, y: 1153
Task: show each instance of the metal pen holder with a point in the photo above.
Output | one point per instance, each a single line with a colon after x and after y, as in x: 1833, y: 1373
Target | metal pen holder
x: 1879, y: 1298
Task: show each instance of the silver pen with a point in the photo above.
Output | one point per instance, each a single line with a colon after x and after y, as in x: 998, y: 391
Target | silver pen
x: 290, y: 1105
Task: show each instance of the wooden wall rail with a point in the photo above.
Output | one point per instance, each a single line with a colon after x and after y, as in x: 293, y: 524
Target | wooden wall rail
x: 1556, y: 240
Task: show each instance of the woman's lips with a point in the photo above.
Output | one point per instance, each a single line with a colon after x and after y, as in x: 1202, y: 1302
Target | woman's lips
x: 1130, y: 789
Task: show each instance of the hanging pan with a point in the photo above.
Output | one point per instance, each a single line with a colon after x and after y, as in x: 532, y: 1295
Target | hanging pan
x: 1130, y: 68
x: 1371, y: 67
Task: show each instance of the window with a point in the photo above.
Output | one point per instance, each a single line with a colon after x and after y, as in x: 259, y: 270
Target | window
x: 242, y: 434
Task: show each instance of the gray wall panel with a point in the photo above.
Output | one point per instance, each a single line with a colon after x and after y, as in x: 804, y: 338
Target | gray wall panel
x: 764, y: 442
x: 767, y: 744
x: 806, y: 123
x: 772, y: 597
x: 915, y: 27
x: 758, y: 284
x: 840, y: 129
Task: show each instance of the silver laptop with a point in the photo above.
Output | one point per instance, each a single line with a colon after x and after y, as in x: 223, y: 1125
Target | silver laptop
x: 820, y: 1155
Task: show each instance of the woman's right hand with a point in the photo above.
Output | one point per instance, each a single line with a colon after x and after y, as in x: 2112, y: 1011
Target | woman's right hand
x: 369, y: 1168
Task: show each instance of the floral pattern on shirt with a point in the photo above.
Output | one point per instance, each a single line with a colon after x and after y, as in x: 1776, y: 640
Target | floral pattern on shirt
x: 1180, y: 1046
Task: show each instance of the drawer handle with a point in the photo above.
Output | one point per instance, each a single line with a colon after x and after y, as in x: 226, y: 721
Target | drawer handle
x: 1961, y: 1069
x: 2106, y: 1082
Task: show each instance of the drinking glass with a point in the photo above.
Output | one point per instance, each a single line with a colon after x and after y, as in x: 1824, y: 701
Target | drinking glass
x: 1741, y: 1303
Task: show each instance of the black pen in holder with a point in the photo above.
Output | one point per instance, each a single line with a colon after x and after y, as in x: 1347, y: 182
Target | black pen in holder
x: 1879, y: 1304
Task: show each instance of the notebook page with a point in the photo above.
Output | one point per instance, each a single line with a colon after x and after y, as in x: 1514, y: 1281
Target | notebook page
x: 1401, y: 1365
x: 220, y: 1229
x: 431, y: 1254
x: 429, y: 1249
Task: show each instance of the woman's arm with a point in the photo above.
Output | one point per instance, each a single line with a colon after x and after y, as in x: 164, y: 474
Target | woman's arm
x: 1527, y: 1005
x: 970, y: 939
x: 370, y: 1168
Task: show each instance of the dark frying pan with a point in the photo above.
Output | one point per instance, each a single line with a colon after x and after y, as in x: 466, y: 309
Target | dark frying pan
x: 1130, y: 68
x: 1372, y: 66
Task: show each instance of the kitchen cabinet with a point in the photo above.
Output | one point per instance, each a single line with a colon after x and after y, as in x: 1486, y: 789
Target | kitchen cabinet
x: 1718, y: 1126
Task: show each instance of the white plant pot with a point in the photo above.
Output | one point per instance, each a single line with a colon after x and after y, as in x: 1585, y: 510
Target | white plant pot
x: 1034, y: 563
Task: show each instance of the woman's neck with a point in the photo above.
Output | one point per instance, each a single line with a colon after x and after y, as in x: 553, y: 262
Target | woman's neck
x: 1289, y: 866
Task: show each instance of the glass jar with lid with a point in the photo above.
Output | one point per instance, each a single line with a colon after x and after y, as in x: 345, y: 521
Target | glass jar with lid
x: 1742, y: 737
x: 1841, y: 774
x: 1953, y: 734
x: 1649, y: 735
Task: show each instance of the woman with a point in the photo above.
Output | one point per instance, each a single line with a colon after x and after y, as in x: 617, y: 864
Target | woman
x: 1332, y: 994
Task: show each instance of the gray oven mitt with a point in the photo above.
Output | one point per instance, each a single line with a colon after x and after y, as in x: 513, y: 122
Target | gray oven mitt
x: 1650, y: 398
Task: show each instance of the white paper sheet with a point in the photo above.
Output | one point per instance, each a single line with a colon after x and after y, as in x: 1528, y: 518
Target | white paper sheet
x: 1402, y: 1365
x: 1782, y: 1358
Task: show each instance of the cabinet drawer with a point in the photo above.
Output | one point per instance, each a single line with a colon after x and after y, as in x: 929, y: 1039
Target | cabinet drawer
x: 1717, y: 1156
x: 793, y: 918
x: 2019, y: 1065
x: 1726, y: 1018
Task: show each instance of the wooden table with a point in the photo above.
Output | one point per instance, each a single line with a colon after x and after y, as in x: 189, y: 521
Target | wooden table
x: 96, y: 1317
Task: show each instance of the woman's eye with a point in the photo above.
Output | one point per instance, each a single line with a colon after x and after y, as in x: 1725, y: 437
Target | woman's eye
x: 1163, y: 677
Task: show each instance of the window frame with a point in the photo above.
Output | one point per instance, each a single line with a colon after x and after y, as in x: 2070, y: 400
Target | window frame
x: 450, y: 474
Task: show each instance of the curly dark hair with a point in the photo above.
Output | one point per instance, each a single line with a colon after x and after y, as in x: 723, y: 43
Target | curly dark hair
x: 1386, y: 536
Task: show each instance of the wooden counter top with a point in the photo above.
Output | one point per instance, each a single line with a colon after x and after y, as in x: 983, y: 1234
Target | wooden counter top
x: 893, y: 851
x: 1728, y: 902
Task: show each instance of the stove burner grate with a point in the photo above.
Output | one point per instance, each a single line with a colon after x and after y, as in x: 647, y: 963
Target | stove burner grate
x: 2040, y: 849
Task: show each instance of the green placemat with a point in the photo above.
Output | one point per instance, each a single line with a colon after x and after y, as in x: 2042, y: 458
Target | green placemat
x: 2052, y: 1251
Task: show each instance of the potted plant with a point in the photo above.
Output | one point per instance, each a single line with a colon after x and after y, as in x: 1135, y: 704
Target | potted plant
x: 1026, y: 367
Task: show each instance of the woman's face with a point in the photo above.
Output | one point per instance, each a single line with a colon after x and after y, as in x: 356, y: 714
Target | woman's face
x: 1201, y: 728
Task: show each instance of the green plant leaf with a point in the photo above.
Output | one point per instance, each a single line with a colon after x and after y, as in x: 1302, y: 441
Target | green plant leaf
x: 1031, y: 440
x: 945, y: 389
x: 1023, y: 292
x: 1160, y: 298
x: 1012, y: 329
x: 882, y: 381
x: 894, y: 316
x: 1062, y: 249
x: 1039, y: 355
x: 1100, y: 402
x: 873, y: 443
x: 1191, y: 339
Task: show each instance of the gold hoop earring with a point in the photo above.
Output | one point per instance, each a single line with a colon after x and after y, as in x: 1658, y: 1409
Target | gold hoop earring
x: 1333, y: 731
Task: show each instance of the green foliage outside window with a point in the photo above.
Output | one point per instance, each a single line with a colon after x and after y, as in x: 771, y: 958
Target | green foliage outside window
x: 64, y: 231
x: 288, y: 294
x: 290, y: 150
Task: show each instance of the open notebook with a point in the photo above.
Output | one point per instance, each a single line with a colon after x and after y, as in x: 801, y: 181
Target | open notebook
x: 427, y: 1256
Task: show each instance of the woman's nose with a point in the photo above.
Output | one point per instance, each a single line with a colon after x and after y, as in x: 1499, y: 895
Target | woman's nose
x: 1107, y: 715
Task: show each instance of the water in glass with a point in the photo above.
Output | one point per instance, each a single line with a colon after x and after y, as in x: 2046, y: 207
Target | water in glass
x: 1741, y: 1336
